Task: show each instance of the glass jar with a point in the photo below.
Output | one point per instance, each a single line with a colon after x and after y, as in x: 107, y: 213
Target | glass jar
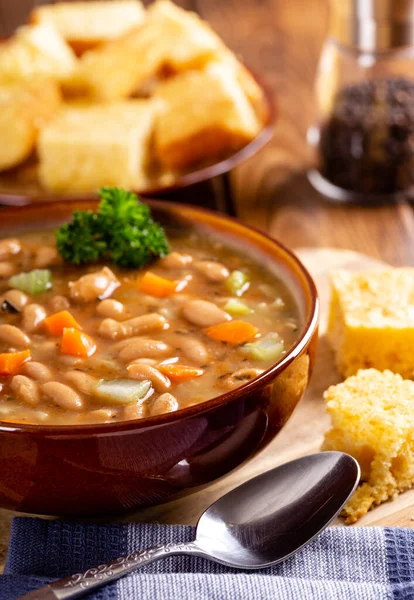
x: 363, y: 132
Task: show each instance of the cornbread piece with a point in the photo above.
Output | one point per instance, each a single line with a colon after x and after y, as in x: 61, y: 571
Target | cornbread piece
x: 203, y: 114
x: 25, y: 107
x: 371, y: 321
x: 86, y: 24
x: 86, y: 147
x: 36, y: 50
x: 373, y: 420
x: 170, y: 38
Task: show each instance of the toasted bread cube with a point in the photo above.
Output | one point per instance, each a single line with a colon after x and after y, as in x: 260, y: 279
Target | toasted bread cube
x: 170, y: 38
x: 86, y: 24
x: 203, y: 115
x: 33, y: 51
x: 86, y: 147
x: 371, y: 320
x: 25, y: 107
x: 372, y: 417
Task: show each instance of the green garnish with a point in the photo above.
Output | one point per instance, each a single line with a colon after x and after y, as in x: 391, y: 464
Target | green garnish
x: 237, y: 308
x: 32, y: 283
x: 122, y: 230
x: 237, y: 283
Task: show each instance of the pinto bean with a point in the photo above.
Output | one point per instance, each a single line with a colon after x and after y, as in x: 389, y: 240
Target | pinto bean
x: 112, y: 329
x: 82, y: 381
x: 9, y: 247
x: 212, y: 270
x: 144, y: 348
x: 25, y: 390
x: 37, y: 371
x: 92, y: 286
x: 175, y: 260
x: 111, y: 308
x: 33, y: 316
x: 204, y: 313
x: 62, y: 395
x: 163, y: 404
x: 13, y: 336
x: 16, y: 298
x: 160, y: 382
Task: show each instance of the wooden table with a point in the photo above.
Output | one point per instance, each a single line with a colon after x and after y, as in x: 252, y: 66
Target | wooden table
x: 281, y: 40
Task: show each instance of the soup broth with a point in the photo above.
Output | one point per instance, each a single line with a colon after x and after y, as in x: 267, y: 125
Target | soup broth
x: 106, y: 344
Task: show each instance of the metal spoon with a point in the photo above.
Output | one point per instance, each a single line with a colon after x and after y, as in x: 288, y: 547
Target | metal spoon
x: 258, y: 524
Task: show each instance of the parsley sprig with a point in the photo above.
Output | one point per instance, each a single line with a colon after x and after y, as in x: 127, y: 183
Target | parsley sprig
x: 122, y: 230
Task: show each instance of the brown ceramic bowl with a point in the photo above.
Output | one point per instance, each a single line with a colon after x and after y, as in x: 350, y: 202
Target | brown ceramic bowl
x: 114, y: 467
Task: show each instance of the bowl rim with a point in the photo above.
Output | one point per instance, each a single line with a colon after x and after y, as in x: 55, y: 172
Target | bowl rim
x: 184, y: 181
x: 309, y: 327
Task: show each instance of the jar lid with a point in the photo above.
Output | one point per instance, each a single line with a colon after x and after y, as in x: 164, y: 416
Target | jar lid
x: 371, y: 25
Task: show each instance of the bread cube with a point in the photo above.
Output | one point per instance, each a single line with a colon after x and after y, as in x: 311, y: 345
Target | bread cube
x: 86, y: 24
x: 25, y: 108
x: 170, y: 38
x: 372, y: 417
x: 203, y: 115
x: 33, y: 51
x: 371, y: 320
x: 86, y: 147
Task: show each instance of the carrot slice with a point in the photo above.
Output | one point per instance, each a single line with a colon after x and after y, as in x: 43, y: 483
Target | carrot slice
x: 180, y: 373
x: 160, y: 287
x: 10, y: 362
x: 56, y: 323
x: 77, y: 343
x: 232, y: 332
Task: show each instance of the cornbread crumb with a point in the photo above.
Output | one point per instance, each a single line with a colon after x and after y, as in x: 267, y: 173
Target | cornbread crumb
x: 371, y: 321
x: 372, y: 417
x: 88, y: 146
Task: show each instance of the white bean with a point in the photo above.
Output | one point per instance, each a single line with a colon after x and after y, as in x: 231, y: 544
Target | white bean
x: 104, y: 415
x: 134, y: 411
x: 160, y: 382
x: 144, y: 348
x: 13, y: 336
x: 33, y: 316
x: 163, y: 404
x: 37, y: 371
x: 7, y: 269
x: 58, y: 303
x: 16, y: 299
x: 25, y: 389
x: 84, y: 382
x: 62, y: 395
x: 112, y: 329
x: 204, y: 313
x: 212, y: 270
x: 238, y: 378
x: 193, y: 349
x: 175, y: 260
x: 45, y: 256
x: 93, y: 286
x: 111, y: 308
x: 9, y: 247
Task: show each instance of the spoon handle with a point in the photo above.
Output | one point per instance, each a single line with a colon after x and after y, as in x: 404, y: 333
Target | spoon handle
x: 82, y: 583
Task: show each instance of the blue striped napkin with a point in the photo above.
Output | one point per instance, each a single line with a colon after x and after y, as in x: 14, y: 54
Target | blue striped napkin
x: 343, y: 563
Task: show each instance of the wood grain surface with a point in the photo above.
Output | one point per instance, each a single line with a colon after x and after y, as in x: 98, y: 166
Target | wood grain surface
x: 281, y: 40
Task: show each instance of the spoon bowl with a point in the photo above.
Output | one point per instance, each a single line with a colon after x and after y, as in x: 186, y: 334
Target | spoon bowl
x: 258, y: 524
x: 268, y: 518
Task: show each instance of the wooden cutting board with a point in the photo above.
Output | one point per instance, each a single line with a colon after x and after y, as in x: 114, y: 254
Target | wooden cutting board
x: 302, y: 435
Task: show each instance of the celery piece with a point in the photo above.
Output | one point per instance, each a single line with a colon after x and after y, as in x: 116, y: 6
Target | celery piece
x: 123, y: 391
x: 270, y: 347
x: 32, y: 283
x: 237, y: 308
x: 237, y: 283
